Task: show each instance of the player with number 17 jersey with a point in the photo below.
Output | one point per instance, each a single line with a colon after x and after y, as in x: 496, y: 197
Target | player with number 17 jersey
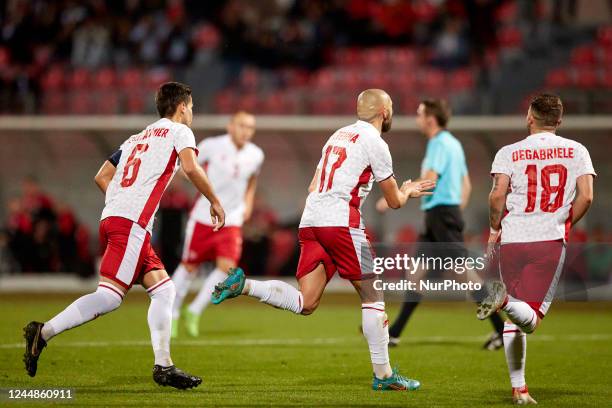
x: 353, y: 157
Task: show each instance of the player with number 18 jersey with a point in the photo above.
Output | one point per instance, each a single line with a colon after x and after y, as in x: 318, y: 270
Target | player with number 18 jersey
x: 541, y: 186
x: 543, y: 169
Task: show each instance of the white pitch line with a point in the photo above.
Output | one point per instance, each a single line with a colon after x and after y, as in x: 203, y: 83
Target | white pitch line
x: 311, y: 342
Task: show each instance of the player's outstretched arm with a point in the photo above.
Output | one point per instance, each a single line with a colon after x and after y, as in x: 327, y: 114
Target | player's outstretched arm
x: 197, y: 176
x: 397, y: 197
x: 584, y: 197
x: 105, y: 175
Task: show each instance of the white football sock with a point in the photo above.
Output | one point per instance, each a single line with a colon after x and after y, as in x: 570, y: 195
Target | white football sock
x: 160, y: 320
x: 515, y: 346
x: 276, y: 293
x: 105, y: 299
x: 203, y: 298
x: 521, y: 314
x: 376, y: 331
x: 182, y: 280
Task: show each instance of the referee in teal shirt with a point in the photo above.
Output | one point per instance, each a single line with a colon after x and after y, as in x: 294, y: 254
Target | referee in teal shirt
x: 444, y: 163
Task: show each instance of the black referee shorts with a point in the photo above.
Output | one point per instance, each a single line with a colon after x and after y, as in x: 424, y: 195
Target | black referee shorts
x: 443, y: 234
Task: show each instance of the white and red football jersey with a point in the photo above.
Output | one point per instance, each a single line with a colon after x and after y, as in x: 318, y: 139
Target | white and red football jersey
x: 352, y: 159
x: 229, y: 170
x: 543, y: 169
x: 148, y: 162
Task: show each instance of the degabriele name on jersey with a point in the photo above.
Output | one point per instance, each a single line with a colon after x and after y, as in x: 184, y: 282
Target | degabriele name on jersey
x: 543, y: 154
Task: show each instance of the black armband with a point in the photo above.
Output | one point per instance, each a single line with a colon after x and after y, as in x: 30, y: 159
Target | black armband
x: 114, y: 158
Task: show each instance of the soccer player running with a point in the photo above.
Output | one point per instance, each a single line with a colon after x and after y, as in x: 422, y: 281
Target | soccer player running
x: 545, y: 183
x: 134, y: 179
x: 442, y: 237
x: 232, y: 163
x: 332, y: 235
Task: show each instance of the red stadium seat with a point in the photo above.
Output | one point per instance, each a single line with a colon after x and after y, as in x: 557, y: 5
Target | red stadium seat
x: 376, y: 78
x: 605, y: 57
x: 53, y: 79
x: 404, y: 81
x: 349, y: 80
x: 510, y: 38
x: 135, y: 101
x: 425, y: 11
x: 54, y: 102
x: 324, y: 105
x: 157, y: 76
x: 250, y: 78
x: 131, y: 78
x: 275, y: 103
x: 106, y: 102
x: 460, y: 80
x: 4, y: 57
x: 506, y: 13
x: 79, y: 79
x: 225, y: 101
x: 347, y: 104
x: 324, y: 80
x: 402, y: 58
x: 606, y: 78
x: 558, y: 78
x: 586, y: 78
x: 373, y: 57
x: 409, y: 102
x: 206, y: 36
x: 248, y: 102
x: 432, y: 82
x: 583, y: 56
x: 105, y: 78
x: 81, y: 102
x: 294, y: 78
x: 406, y: 235
x: 604, y: 36
x: 347, y: 57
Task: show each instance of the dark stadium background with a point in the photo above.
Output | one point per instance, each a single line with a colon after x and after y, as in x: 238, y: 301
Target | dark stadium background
x: 77, y: 77
x: 65, y: 65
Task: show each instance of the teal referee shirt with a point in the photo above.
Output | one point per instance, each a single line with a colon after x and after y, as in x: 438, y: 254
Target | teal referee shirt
x: 444, y: 155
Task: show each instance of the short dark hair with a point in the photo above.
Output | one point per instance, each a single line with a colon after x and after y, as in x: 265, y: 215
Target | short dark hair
x: 546, y: 109
x: 169, y: 96
x: 439, y: 109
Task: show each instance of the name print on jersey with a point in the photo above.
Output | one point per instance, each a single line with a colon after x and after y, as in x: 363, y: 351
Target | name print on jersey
x: 543, y: 154
x: 148, y: 133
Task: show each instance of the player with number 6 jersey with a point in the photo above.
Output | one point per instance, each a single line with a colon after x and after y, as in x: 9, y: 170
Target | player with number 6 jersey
x: 542, y: 185
x: 332, y: 235
x: 134, y: 179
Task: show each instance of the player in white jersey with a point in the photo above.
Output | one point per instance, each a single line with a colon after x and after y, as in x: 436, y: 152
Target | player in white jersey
x: 545, y: 184
x: 332, y: 235
x: 134, y: 179
x: 232, y: 163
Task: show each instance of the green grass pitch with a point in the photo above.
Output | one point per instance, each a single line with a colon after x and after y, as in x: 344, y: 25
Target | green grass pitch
x: 251, y: 354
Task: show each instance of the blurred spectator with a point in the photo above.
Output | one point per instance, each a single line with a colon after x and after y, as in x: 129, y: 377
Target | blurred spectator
x: 90, y: 44
x: 450, y: 48
x: 42, y: 236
